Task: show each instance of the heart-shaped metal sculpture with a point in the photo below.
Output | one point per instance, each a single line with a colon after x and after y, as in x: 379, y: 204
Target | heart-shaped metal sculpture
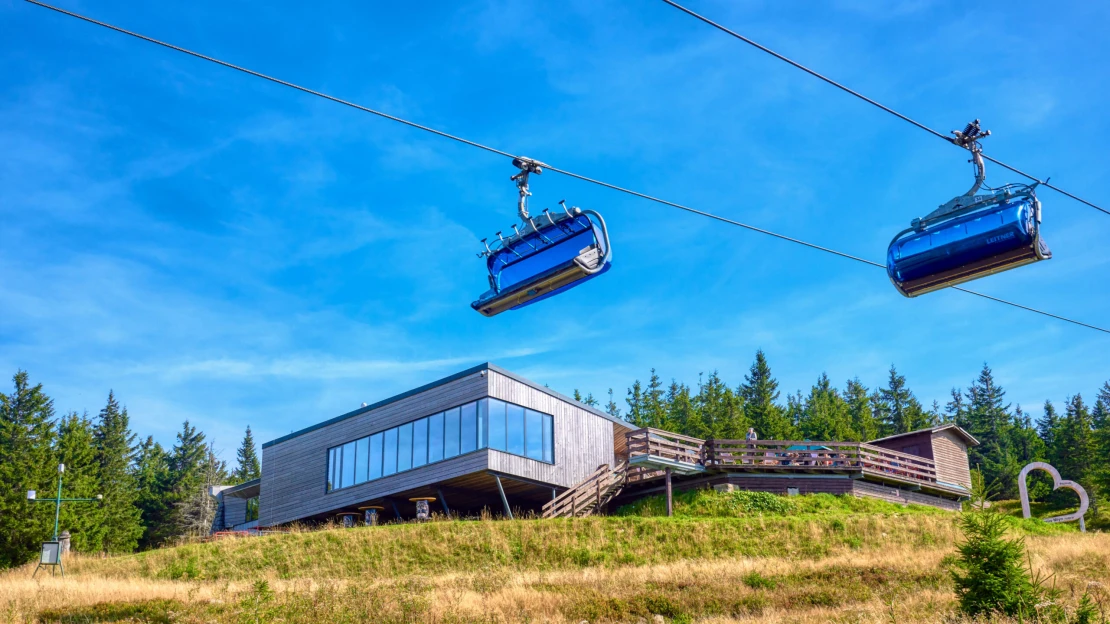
x: 1057, y: 483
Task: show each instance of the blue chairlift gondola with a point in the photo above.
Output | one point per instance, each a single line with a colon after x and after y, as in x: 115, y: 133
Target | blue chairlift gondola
x: 545, y: 256
x: 971, y: 236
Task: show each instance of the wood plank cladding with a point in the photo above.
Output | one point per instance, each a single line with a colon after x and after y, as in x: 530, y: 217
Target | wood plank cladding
x: 583, y: 440
x: 919, y: 444
x: 294, y: 467
x: 805, y: 484
x: 896, y: 495
x: 950, y: 452
x: 294, y: 470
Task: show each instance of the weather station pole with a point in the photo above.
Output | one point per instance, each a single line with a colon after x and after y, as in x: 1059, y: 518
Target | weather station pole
x: 51, y: 554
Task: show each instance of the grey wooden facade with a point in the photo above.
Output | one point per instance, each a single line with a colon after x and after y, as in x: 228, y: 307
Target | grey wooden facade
x: 294, y: 467
x: 232, y: 502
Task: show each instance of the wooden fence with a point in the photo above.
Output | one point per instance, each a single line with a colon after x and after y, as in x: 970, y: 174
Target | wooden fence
x: 774, y: 456
x: 666, y: 445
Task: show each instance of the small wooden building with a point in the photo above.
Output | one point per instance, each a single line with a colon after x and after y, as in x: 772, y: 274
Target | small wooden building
x: 945, y: 444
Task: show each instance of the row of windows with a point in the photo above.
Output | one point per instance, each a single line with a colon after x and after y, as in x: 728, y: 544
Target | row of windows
x: 486, y: 423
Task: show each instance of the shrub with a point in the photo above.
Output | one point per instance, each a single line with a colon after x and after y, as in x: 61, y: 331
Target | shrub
x: 990, y: 574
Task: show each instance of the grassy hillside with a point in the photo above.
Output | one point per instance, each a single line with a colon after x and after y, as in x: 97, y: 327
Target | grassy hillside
x: 461, y: 547
x: 726, y: 557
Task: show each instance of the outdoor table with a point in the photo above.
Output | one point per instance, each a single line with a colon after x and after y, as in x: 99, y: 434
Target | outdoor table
x: 422, y: 511
x: 370, y: 514
x: 348, y: 518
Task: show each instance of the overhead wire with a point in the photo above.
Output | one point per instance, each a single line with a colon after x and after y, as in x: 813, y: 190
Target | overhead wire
x: 499, y: 152
x: 872, y: 102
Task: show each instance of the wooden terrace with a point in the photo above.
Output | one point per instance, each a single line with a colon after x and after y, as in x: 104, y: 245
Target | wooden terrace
x: 651, y: 452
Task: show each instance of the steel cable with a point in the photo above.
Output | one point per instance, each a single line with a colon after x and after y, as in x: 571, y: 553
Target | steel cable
x: 863, y: 97
x: 549, y: 167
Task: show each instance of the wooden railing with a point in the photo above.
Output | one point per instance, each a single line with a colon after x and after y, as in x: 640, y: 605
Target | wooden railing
x: 665, y: 445
x: 590, y: 495
x: 811, y: 456
x: 783, y: 456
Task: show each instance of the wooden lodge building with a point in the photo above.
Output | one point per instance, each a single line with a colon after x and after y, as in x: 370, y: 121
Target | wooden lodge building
x: 486, y: 438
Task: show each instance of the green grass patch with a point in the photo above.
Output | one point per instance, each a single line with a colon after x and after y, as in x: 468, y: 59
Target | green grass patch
x: 710, y: 503
x: 476, y: 546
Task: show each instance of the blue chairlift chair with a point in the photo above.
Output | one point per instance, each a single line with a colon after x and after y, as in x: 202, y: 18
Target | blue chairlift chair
x: 547, y: 255
x: 971, y: 236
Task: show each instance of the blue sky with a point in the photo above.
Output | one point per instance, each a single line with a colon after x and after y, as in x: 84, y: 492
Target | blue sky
x: 217, y: 248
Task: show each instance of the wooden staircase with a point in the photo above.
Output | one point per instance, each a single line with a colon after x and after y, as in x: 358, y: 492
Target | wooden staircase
x: 591, y: 495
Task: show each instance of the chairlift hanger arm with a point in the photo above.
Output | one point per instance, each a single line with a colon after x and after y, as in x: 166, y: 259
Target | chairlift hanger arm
x: 527, y: 166
x: 968, y: 138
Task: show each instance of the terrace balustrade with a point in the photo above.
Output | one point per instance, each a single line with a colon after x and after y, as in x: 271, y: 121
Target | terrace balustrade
x: 650, y: 451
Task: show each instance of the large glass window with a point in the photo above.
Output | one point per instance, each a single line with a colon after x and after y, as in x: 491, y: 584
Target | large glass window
x: 347, y: 478
x: 333, y: 466
x: 435, y: 437
x: 252, y: 509
x: 496, y: 425
x: 487, y: 423
x: 548, y: 439
x: 390, y: 453
x: 420, y: 443
x: 483, y: 418
x: 469, y: 428
x: 362, y: 459
x: 376, y: 456
x: 514, y: 428
x: 404, y: 447
x: 451, y: 433
x: 533, y: 434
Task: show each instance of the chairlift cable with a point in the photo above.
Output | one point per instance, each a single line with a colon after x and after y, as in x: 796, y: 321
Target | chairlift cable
x: 549, y: 167
x: 863, y: 97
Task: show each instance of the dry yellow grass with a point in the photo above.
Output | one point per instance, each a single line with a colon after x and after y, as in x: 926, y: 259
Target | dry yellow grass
x: 890, y: 582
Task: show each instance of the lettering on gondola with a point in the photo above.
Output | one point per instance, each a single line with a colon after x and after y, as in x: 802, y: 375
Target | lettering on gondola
x: 995, y: 239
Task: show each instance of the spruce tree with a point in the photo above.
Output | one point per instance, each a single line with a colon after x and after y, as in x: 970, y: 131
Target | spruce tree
x: 1077, y: 451
x: 721, y: 409
x: 187, y: 479
x: 153, y: 482
x: 826, y: 415
x: 685, y: 413
x: 114, y: 454
x: 954, y: 410
x: 655, y: 405
x: 26, y: 463
x: 611, y: 407
x: 249, y: 467
x: 1048, y: 428
x: 585, y: 400
x: 759, y: 392
x: 1100, y: 417
x: 196, y: 510
x: 636, y: 415
x: 76, y: 448
x: 864, y: 426
x: 990, y: 421
x: 989, y: 574
x: 898, y: 408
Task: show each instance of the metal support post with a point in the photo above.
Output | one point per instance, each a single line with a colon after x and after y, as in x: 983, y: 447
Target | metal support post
x: 504, y: 501
x: 670, y: 501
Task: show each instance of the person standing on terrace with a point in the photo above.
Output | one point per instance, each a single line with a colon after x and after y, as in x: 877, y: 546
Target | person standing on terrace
x: 751, y: 437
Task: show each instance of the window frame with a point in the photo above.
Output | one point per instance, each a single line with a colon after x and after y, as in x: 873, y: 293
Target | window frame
x: 334, y: 482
